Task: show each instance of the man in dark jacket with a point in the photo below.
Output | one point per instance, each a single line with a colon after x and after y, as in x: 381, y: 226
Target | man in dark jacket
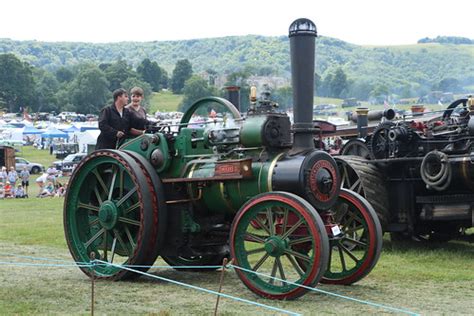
x: 114, y: 121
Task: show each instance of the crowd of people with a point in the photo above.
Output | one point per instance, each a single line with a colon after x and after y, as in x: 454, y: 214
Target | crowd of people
x: 8, y: 183
x: 15, y: 184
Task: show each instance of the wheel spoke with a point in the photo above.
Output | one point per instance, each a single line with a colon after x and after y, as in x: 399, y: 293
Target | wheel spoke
x: 273, y: 274
x: 131, y: 208
x: 126, y: 196
x: 120, y: 240
x: 355, y: 185
x: 254, y: 238
x: 112, y: 250
x: 254, y: 251
x: 349, y: 253
x: 298, y: 255
x: 292, y: 229
x: 270, y: 221
x: 260, y: 262
x: 94, y: 238
x: 101, y: 182
x: 105, y: 246
x: 129, y: 221
x: 280, y: 268
x: 345, y: 182
x: 94, y: 222
x: 330, y: 258
x: 112, y: 183
x: 285, y: 221
x: 88, y: 207
x: 97, y: 195
x: 295, y: 265
x: 262, y: 225
x: 341, y: 256
x: 130, y: 238
x: 354, y: 241
x: 301, y: 240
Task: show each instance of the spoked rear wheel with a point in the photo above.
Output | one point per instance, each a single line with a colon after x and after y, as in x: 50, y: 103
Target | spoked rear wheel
x: 109, y: 211
x: 356, y: 250
x: 290, y: 230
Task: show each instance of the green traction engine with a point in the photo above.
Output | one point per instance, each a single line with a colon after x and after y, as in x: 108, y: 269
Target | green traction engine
x: 251, y: 188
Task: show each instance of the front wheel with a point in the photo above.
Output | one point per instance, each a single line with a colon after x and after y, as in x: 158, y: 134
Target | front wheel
x: 289, y: 231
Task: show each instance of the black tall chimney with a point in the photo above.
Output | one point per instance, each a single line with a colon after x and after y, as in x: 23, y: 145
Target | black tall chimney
x: 302, y: 34
x: 233, y: 95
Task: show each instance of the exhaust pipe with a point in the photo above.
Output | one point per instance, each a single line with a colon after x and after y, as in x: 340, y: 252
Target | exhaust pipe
x: 302, y: 34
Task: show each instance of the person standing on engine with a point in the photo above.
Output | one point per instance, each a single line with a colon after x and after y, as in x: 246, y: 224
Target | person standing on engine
x: 114, y: 121
x: 138, y: 120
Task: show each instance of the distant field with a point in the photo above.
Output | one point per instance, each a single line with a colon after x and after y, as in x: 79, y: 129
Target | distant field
x: 164, y: 101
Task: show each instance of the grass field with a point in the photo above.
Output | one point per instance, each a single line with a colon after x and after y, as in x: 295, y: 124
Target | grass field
x: 164, y: 101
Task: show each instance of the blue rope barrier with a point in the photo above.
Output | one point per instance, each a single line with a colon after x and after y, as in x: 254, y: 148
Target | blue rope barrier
x: 25, y: 264
x: 39, y: 258
x: 203, y: 289
x: 330, y: 293
x: 129, y: 267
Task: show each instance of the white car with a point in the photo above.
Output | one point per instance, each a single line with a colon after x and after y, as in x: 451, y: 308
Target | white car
x: 69, y: 162
x: 32, y: 167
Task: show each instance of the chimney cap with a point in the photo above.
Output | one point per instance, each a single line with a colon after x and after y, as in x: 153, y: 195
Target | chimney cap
x: 302, y: 27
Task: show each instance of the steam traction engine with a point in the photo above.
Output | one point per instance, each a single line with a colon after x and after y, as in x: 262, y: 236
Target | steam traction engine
x: 252, y: 188
x: 417, y: 173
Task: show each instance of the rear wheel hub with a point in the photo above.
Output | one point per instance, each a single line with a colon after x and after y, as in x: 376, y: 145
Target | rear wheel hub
x: 108, y: 215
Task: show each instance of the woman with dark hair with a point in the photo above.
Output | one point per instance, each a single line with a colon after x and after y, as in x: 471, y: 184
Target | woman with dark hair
x: 138, y: 120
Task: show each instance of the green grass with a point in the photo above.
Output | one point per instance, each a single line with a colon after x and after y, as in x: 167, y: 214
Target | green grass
x: 427, y: 279
x: 164, y: 101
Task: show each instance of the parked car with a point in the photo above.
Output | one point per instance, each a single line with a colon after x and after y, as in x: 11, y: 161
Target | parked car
x: 32, y: 167
x: 67, y: 164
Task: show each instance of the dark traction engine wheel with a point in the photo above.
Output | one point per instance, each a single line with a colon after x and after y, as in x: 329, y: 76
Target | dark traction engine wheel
x: 113, y: 209
x: 290, y: 231
x: 365, y: 179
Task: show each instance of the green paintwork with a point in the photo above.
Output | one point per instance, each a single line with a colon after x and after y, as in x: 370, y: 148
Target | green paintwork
x: 251, y: 132
x: 228, y: 196
x: 134, y: 145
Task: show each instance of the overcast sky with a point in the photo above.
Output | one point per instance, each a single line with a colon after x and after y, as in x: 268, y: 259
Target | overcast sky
x: 372, y: 22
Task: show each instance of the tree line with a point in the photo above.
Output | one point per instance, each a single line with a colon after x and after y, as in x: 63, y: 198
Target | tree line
x: 344, y: 69
x: 84, y: 88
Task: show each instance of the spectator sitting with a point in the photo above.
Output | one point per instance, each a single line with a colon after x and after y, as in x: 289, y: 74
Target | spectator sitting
x: 8, y: 190
x: 60, y: 190
x: 40, y: 181
x: 48, y: 190
x: 52, y: 174
x: 2, y: 191
x: 20, y: 192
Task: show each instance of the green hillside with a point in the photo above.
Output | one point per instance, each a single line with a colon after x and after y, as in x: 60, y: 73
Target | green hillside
x: 406, y: 67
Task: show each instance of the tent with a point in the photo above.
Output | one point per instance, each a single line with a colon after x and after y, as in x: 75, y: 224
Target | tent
x: 87, y: 138
x: 71, y: 129
x: 30, y: 130
x: 54, y: 133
